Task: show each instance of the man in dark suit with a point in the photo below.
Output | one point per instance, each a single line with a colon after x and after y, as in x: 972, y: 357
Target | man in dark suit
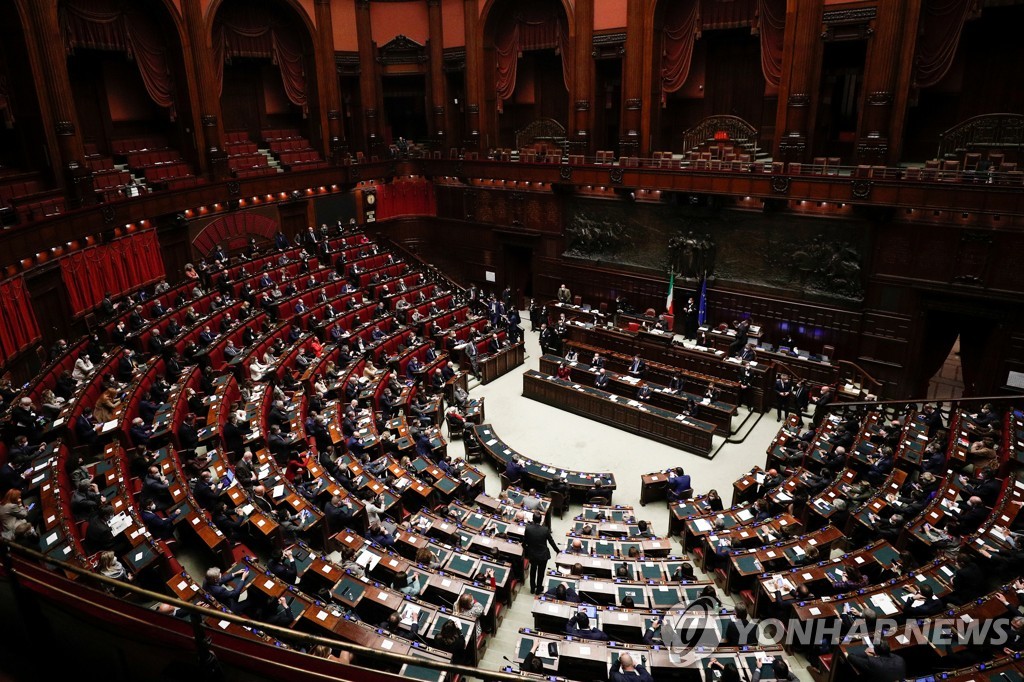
x: 748, y: 354
x: 601, y: 380
x: 678, y: 484
x: 637, y: 367
x: 740, y: 631
x: 126, y: 366
x: 921, y: 602
x: 783, y: 391
x: 139, y: 432
x: 86, y: 430
x: 205, y: 492
x: 821, y: 405
x: 536, y: 539
x: 742, y: 330
x: 625, y: 670
x: 206, y: 337
x: 548, y: 339
x: 217, y: 586
x: 160, y: 526
x: 879, y: 665
x: 245, y: 470
x: 579, y: 626
x: 971, y: 516
x: 746, y: 380
x: 278, y: 445
x: 233, y: 435
x: 188, y: 435
x: 987, y: 487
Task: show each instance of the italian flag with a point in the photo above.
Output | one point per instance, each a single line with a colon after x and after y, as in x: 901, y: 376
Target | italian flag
x: 671, y: 292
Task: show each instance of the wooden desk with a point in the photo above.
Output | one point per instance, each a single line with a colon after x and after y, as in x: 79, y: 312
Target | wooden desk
x: 579, y: 483
x: 665, y: 358
x: 651, y: 422
x: 501, y: 363
x: 714, y: 412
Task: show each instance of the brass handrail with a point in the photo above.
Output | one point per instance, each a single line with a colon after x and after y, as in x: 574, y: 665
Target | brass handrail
x: 954, y: 403
x: 282, y: 633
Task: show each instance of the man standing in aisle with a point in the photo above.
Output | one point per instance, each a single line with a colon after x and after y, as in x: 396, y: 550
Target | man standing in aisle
x: 536, y: 538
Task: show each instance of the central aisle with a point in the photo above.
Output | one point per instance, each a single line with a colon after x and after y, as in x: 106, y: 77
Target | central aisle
x: 553, y: 436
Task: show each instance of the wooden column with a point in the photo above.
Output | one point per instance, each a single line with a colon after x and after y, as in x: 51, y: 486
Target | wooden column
x: 474, y: 74
x: 438, y: 85
x: 368, y: 91
x: 633, y: 78
x: 904, y: 79
x: 582, y: 115
x: 801, y: 73
x: 337, y: 148
x: 880, y: 71
x: 57, y: 90
x: 211, y: 139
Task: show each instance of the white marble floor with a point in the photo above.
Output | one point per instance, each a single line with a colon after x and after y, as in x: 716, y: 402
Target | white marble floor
x: 553, y: 436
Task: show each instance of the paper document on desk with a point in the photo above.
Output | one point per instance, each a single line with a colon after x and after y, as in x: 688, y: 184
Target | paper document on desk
x: 119, y: 522
x: 410, y: 615
x: 784, y: 585
x: 702, y: 525
x: 744, y: 515
x: 367, y: 560
x: 109, y: 426
x: 885, y: 604
x: 278, y: 490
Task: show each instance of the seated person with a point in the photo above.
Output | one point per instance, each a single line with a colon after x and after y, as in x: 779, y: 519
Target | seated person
x: 563, y: 592
x: 579, y: 626
x: 678, y: 484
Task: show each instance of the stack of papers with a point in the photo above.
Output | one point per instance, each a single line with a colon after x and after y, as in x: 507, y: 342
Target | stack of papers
x: 885, y: 604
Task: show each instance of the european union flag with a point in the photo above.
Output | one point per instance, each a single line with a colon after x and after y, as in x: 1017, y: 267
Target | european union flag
x: 702, y: 307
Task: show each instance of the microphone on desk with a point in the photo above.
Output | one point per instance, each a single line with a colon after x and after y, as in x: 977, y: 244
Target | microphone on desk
x: 451, y: 604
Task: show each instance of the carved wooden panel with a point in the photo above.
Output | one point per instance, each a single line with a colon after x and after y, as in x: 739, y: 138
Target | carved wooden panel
x: 1006, y: 272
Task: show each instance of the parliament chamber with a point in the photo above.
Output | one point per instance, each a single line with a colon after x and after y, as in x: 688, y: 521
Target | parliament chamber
x: 327, y: 326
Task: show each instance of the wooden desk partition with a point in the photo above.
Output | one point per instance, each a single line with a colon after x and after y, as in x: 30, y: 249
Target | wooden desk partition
x: 684, y: 433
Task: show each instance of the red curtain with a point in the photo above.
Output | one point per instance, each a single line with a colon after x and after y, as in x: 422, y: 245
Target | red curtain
x: 18, y: 328
x: 118, y: 27
x: 942, y: 21
x: 771, y: 24
x: 532, y: 26
x: 253, y: 32
x: 681, y: 30
x: 6, y: 110
x: 405, y: 197
x: 719, y: 14
x: 121, y: 265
